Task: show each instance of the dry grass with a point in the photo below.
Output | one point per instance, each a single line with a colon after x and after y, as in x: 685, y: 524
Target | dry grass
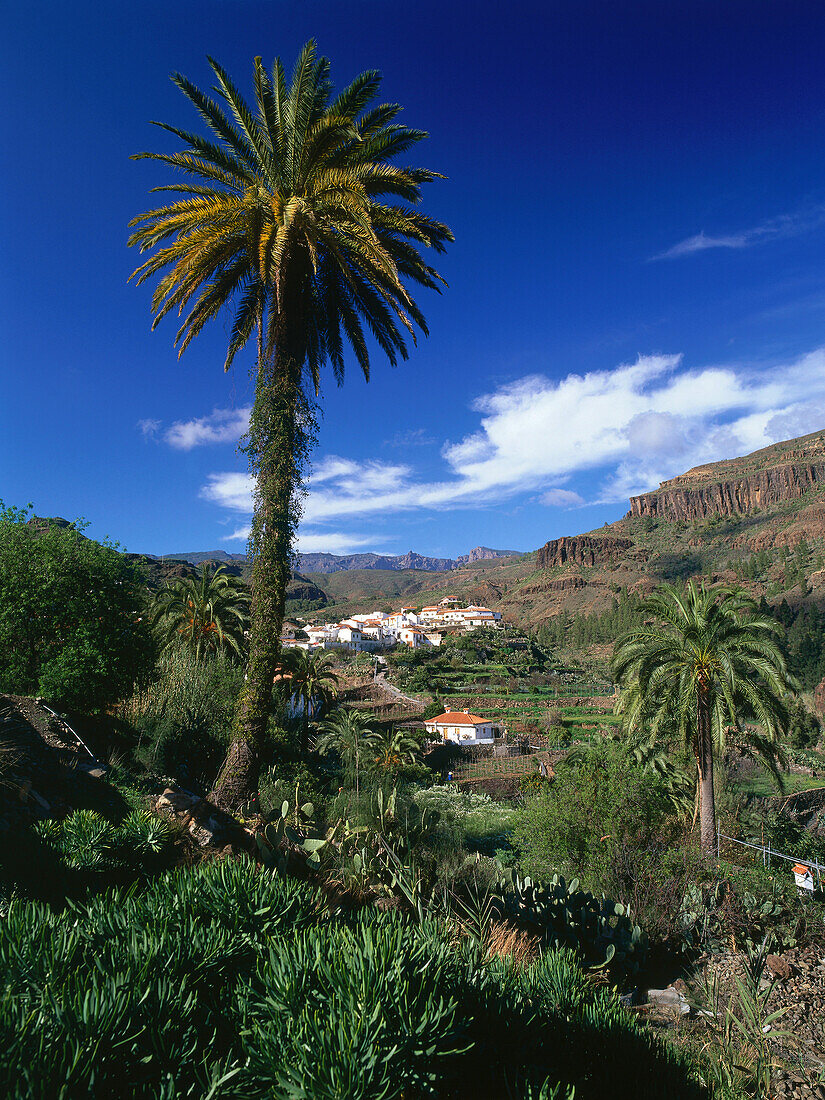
x: 508, y: 941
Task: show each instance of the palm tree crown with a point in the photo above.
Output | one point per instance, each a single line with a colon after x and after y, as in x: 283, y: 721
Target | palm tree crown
x: 709, y: 665
x: 293, y: 204
x: 310, y: 677
x: 348, y: 733
x: 206, y: 612
x: 392, y: 749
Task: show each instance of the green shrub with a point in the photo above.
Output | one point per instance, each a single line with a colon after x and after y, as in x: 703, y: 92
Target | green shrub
x: 224, y: 981
x: 70, y: 622
x: 598, y: 803
x: 351, y: 1012
x: 183, y: 716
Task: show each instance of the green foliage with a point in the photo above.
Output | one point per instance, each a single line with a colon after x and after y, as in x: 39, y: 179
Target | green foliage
x: 599, y: 803
x: 579, y: 631
x: 805, y: 640
x: 183, y: 714
x: 708, y: 662
x: 207, y: 613
x: 362, y: 1014
x: 484, y: 823
x: 601, y: 931
x: 743, y: 1029
x: 221, y: 980
x: 84, y: 853
x: 70, y: 624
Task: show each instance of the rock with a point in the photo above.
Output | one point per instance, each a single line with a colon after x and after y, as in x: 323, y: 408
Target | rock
x: 172, y: 799
x: 669, y: 998
x: 581, y: 550
x: 205, y: 831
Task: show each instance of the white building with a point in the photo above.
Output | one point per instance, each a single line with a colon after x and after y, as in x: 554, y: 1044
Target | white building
x: 461, y: 727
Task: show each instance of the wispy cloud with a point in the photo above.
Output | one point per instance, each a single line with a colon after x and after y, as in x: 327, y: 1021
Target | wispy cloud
x: 221, y: 426
x: 413, y: 437
x: 787, y: 225
x: 627, y: 429
x: 562, y: 498
x: 321, y: 542
x: 149, y: 428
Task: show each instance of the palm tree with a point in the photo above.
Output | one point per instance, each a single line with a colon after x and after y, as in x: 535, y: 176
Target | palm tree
x: 207, y: 612
x: 311, y: 681
x: 294, y: 214
x: 348, y: 733
x: 393, y: 749
x: 711, y: 663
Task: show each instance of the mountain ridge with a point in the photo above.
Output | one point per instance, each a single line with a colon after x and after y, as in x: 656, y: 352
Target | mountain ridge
x: 334, y: 563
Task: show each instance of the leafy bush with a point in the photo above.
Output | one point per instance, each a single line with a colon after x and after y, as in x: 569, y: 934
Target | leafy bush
x: 598, y: 804
x: 70, y: 623
x: 85, y: 853
x: 183, y: 716
x: 359, y: 1013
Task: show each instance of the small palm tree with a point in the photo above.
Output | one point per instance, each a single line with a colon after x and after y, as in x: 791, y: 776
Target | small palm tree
x: 311, y: 681
x: 207, y: 612
x: 709, y: 665
x: 393, y: 749
x: 348, y: 733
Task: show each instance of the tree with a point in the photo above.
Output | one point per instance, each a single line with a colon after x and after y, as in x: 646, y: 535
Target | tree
x: 71, y: 627
x: 392, y: 749
x: 710, y: 665
x: 295, y: 215
x: 349, y: 734
x: 311, y: 681
x: 206, y: 613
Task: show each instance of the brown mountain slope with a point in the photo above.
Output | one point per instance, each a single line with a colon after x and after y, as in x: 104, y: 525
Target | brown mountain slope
x: 758, y: 520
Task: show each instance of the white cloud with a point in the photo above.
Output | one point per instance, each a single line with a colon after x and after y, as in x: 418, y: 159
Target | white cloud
x: 630, y: 428
x: 149, y: 428
x: 786, y: 225
x: 221, y: 426
x: 562, y: 498
x: 700, y: 242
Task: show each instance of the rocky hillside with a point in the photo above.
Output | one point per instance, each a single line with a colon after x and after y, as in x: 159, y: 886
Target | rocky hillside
x: 758, y: 520
x: 740, y: 486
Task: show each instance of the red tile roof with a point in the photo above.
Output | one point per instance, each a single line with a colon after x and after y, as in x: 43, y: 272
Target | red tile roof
x: 457, y: 718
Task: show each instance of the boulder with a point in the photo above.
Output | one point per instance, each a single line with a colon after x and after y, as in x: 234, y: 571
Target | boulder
x: 670, y: 999
x: 778, y: 966
x: 176, y: 799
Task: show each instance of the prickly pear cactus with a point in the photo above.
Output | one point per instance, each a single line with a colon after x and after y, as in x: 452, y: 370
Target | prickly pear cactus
x: 601, y: 930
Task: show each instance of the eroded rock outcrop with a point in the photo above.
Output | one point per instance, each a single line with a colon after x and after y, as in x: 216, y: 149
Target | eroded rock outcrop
x: 690, y: 497
x: 583, y: 550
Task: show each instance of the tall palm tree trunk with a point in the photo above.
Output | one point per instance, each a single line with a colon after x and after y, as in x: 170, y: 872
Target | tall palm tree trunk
x: 281, y: 431
x: 704, y: 761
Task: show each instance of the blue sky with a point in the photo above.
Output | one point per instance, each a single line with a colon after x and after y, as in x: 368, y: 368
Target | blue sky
x: 637, y: 192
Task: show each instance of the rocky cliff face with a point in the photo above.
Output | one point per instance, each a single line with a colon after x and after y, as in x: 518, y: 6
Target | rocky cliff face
x: 483, y: 553
x: 583, y: 550
x: 692, y: 498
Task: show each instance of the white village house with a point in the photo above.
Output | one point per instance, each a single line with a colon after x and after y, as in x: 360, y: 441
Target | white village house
x: 461, y: 727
